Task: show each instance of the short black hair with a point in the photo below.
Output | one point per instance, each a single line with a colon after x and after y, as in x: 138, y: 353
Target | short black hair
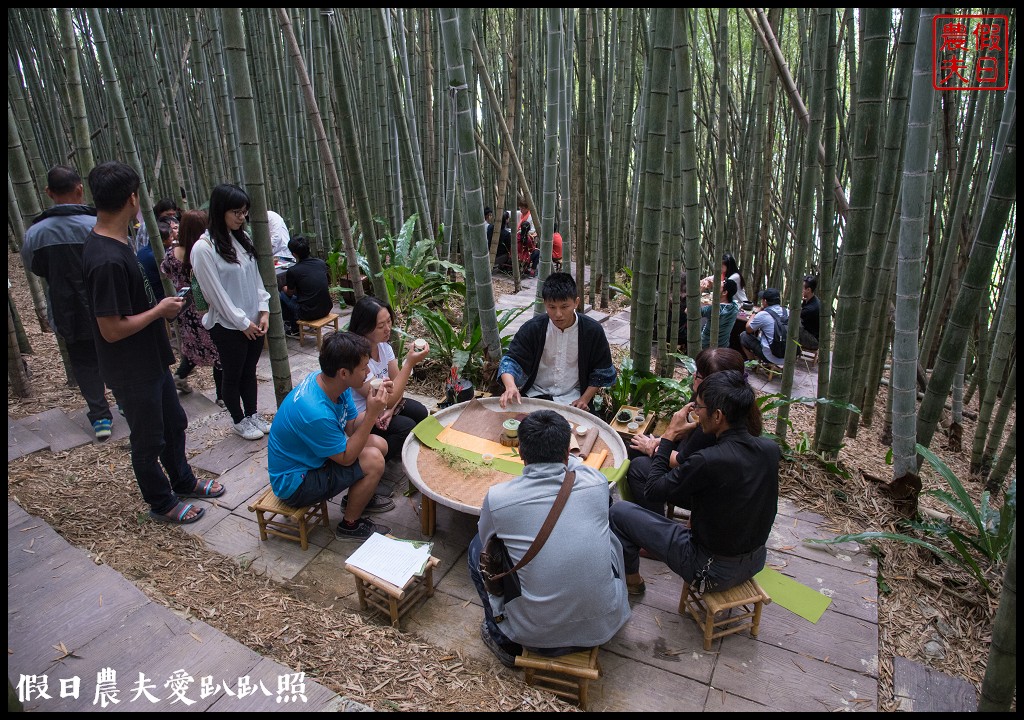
x: 342, y: 351
x: 299, y: 247
x: 488, y: 211
x: 729, y: 392
x: 62, y: 179
x: 165, y: 204
x: 770, y: 296
x: 544, y: 437
x: 730, y: 288
x: 112, y: 184
x: 811, y: 282
x: 165, y: 229
x: 559, y: 286
x: 364, y: 315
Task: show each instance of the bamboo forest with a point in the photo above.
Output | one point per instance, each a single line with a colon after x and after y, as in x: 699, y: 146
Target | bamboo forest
x: 862, y: 158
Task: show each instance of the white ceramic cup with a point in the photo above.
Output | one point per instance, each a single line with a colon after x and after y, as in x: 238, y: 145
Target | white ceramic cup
x: 375, y: 384
x: 488, y: 458
x: 581, y: 430
x: 633, y: 426
x: 419, y: 345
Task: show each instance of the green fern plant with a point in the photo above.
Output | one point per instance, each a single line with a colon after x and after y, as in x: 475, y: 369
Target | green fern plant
x: 989, y: 529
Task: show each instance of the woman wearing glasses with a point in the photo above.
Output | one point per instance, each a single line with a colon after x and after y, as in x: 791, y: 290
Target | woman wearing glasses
x: 224, y: 262
x: 708, y: 362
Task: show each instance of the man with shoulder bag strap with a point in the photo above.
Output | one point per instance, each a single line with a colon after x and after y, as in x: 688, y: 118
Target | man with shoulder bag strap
x: 572, y: 589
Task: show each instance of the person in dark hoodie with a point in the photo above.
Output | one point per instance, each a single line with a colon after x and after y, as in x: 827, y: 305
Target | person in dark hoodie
x: 53, y: 251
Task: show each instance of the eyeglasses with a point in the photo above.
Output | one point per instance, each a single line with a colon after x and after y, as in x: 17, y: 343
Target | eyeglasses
x: 240, y: 214
x: 698, y: 376
x: 698, y: 406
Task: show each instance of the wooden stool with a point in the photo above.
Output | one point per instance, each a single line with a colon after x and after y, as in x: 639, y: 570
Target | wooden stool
x: 391, y: 599
x: 276, y: 518
x: 810, y: 358
x: 703, y: 608
x: 769, y: 370
x: 567, y: 676
x: 316, y: 327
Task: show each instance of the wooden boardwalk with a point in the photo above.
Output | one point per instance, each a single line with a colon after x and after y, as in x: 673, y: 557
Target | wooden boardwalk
x: 58, y: 598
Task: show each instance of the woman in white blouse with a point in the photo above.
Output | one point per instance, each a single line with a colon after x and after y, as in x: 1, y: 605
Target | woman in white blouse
x: 224, y: 262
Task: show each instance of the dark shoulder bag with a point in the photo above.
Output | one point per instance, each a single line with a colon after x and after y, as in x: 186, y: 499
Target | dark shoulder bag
x: 499, y: 576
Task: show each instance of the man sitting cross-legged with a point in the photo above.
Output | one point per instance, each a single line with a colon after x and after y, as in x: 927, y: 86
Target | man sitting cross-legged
x: 319, y: 445
x: 731, y: 488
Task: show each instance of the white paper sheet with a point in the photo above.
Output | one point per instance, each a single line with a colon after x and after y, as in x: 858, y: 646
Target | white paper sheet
x: 395, y: 561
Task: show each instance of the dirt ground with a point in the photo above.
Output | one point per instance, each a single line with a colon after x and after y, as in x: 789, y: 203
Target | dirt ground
x: 928, y: 612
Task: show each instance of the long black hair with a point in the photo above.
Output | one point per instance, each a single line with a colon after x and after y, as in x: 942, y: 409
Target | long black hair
x: 732, y: 269
x: 364, y: 315
x: 227, y: 197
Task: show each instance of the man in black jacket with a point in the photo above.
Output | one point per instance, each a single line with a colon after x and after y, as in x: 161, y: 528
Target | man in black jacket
x: 53, y: 251
x: 563, y: 356
x: 731, y: 488
x: 307, y: 295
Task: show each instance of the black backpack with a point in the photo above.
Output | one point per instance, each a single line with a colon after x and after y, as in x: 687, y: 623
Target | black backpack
x: 778, y: 343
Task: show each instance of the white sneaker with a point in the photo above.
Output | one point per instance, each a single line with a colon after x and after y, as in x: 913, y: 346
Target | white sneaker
x: 247, y: 430
x: 259, y: 423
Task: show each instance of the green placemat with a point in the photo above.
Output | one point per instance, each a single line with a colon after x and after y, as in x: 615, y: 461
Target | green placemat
x: 795, y: 597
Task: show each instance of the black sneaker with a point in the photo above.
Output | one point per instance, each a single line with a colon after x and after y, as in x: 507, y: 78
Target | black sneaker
x: 377, y: 504
x: 504, y: 656
x: 363, y: 529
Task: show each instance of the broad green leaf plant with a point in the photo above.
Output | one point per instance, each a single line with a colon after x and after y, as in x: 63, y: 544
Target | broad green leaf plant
x: 986, y: 532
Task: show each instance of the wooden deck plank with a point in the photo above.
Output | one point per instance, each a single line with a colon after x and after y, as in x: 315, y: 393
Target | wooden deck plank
x: 790, y: 682
x: 921, y: 689
x: 21, y: 441
x: 852, y: 593
x: 244, y: 480
x: 29, y: 543
x: 626, y: 685
x: 789, y: 537
x: 664, y: 640
x: 226, y: 454
x: 239, y: 538
x: 838, y: 639
x: 57, y: 429
x: 118, y: 430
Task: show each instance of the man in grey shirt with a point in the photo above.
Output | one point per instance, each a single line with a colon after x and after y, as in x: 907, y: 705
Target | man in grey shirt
x: 573, y: 593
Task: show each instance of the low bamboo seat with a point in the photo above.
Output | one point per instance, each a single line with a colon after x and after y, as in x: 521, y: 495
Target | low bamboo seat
x: 316, y: 328
x: 390, y: 599
x: 567, y: 676
x: 284, y: 521
x: 704, y: 609
x: 810, y: 357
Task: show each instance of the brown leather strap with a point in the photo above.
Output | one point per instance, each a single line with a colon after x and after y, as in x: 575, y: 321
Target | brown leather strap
x: 549, y: 523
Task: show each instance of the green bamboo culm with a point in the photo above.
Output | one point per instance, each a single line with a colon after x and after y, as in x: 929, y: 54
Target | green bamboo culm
x: 1000, y: 683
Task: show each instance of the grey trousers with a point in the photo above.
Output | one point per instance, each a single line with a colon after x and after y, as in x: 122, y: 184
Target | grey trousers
x: 672, y: 542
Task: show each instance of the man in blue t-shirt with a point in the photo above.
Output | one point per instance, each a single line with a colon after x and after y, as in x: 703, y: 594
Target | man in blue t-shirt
x: 320, y: 445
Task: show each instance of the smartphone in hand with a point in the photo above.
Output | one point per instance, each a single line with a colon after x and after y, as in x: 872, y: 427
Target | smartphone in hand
x: 185, y: 292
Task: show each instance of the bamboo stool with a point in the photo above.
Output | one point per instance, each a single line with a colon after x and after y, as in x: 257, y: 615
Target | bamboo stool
x: 704, y: 608
x: 810, y: 358
x: 567, y: 676
x: 276, y: 518
x: 316, y: 328
x: 390, y: 599
x: 769, y: 370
